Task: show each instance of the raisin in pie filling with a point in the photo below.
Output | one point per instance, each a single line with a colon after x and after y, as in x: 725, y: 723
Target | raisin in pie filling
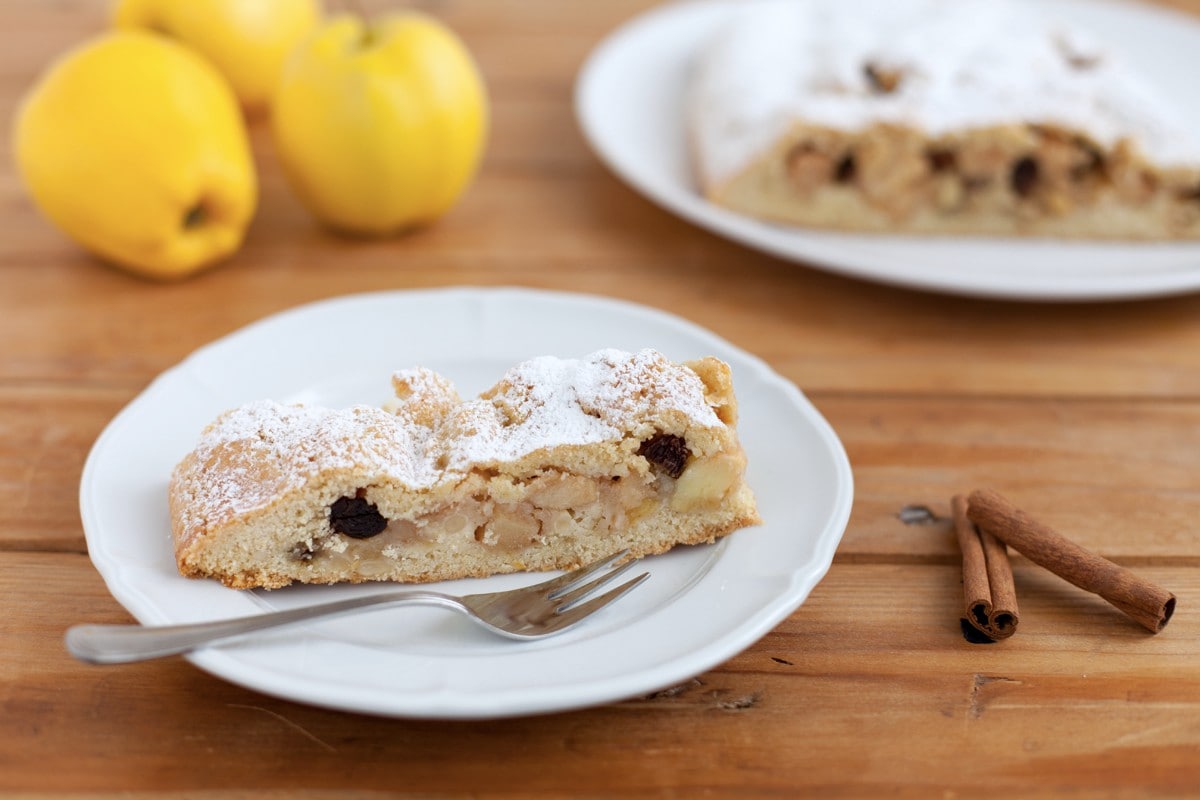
x: 561, y: 462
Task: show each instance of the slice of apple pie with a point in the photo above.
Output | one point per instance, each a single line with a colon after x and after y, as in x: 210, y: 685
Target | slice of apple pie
x: 562, y: 462
x: 937, y: 117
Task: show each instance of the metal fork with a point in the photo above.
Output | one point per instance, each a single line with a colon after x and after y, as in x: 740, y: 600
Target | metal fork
x: 530, y: 612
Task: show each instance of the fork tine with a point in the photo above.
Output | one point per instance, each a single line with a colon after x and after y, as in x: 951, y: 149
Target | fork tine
x: 569, y: 596
x: 564, y: 583
x: 582, y: 610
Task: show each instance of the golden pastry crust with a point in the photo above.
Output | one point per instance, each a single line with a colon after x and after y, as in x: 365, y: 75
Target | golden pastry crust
x: 560, y: 463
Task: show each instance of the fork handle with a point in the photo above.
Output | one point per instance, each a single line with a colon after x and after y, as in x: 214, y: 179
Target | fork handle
x: 123, y: 644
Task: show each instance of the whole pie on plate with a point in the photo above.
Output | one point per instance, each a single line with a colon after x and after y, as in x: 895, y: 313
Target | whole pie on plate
x: 937, y: 117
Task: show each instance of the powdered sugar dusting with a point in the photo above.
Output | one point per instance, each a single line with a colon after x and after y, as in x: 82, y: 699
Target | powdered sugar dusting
x: 423, y: 397
x: 253, y: 454
x: 965, y: 64
x: 421, y: 382
x: 549, y: 402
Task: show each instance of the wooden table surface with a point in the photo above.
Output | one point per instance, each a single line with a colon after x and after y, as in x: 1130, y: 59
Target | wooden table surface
x: 1086, y: 415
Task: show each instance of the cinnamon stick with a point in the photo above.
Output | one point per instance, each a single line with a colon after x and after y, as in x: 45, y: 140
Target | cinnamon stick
x: 989, y: 593
x: 1147, y: 603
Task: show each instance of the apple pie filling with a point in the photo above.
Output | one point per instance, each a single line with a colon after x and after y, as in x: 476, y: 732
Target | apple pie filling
x: 506, y: 515
x: 1009, y: 169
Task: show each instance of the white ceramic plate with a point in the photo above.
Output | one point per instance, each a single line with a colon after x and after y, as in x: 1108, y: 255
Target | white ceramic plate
x: 629, y: 101
x: 701, y: 606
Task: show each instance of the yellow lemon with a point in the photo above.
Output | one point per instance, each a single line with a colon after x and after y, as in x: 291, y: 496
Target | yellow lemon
x: 247, y: 40
x: 380, y: 127
x: 136, y: 148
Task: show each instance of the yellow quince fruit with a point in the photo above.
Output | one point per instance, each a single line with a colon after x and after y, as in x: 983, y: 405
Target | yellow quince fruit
x: 381, y: 126
x: 247, y: 40
x: 135, y: 147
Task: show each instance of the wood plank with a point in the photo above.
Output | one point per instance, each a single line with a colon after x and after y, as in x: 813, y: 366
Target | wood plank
x: 826, y: 333
x: 47, y: 436
x: 1110, y: 475
x: 869, y: 686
